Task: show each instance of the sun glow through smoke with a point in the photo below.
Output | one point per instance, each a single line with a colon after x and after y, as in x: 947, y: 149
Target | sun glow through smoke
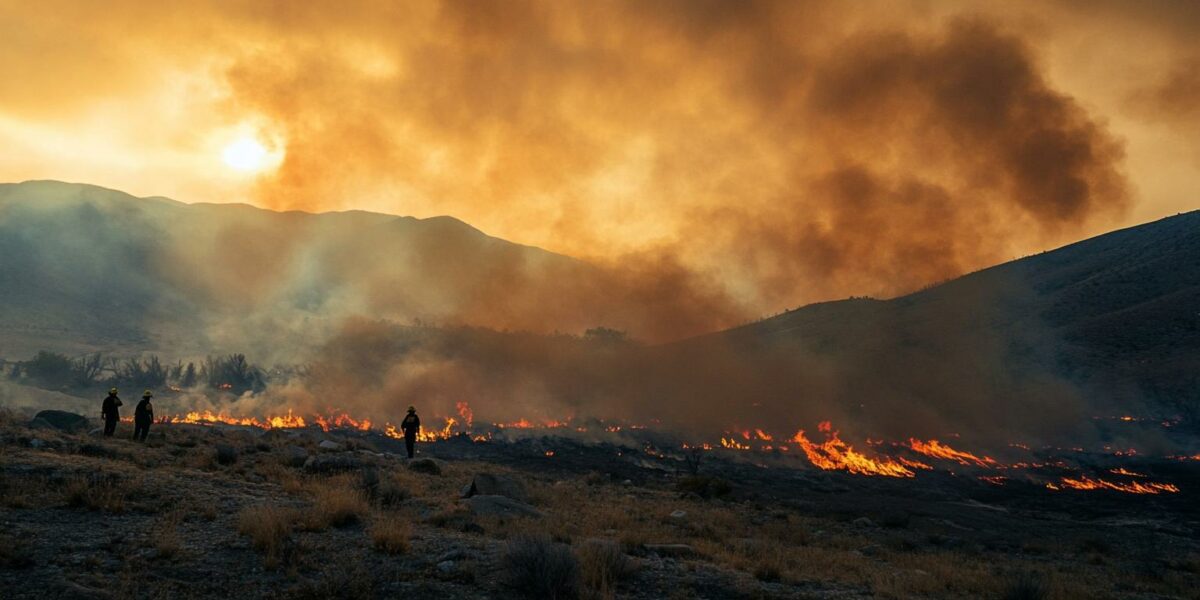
x: 248, y: 155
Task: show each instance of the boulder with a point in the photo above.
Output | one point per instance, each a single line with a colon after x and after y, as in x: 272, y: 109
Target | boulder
x: 863, y: 522
x: 332, y: 463
x: 678, y: 514
x: 295, y: 456
x: 226, y: 454
x: 488, y: 484
x: 425, y: 465
x: 62, y: 420
x: 330, y: 445
x: 501, y: 506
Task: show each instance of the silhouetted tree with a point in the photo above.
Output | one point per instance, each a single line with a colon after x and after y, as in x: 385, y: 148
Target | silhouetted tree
x: 189, y: 376
x: 85, y: 370
x: 233, y: 373
x: 49, y: 369
x: 605, y: 335
x: 142, y: 374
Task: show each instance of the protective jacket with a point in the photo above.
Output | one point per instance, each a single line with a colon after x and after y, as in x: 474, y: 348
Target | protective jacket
x: 411, y: 425
x: 110, y: 410
x: 144, y: 413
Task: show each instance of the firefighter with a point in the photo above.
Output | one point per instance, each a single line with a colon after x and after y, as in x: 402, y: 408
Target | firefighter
x: 411, y: 426
x: 110, y: 412
x: 143, y: 416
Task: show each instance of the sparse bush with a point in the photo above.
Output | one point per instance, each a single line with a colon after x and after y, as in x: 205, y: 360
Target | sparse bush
x: 14, y: 552
x: 540, y: 568
x: 602, y: 565
x: 391, y: 492
x: 895, y: 519
x: 95, y: 492
x: 391, y: 534
x: 336, y: 506
x: 166, y: 536
x: 704, y: 486
x: 1026, y: 586
x: 268, y: 527
x: 1097, y: 545
x: 226, y: 454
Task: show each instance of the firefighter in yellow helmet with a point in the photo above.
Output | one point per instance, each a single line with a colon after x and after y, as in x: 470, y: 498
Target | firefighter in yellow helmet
x: 411, y: 425
x: 110, y: 412
x: 143, y: 416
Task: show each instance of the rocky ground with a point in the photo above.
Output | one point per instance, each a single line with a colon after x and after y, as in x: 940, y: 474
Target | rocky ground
x: 207, y: 511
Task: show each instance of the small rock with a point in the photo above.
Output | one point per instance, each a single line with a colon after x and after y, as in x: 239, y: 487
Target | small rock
x: 863, y: 522
x: 446, y: 566
x: 226, y: 454
x: 36, y: 443
x: 295, y: 456
x: 455, y: 554
x: 487, y: 484
x: 330, y: 463
x: 425, y: 465
x: 871, y: 550
x: 330, y: 445
x: 501, y: 506
x: 678, y: 514
x: 627, y: 482
x: 671, y: 549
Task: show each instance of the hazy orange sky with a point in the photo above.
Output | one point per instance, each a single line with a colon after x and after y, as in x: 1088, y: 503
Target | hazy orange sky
x: 787, y: 152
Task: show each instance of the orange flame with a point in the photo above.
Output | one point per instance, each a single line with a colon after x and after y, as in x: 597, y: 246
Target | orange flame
x: 1083, y: 482
x: 937, y: 449
x: 834, y: 454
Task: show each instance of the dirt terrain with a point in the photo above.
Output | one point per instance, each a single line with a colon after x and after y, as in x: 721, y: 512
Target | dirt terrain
x: 216, y: 511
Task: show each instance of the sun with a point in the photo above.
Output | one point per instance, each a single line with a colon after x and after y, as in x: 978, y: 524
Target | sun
x: 246, y: 154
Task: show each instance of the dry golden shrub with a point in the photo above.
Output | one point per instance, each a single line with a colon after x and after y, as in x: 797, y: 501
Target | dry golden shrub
x: 391, y: 534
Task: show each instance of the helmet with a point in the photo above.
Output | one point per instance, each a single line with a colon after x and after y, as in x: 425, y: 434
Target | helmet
x: 147, y: 394
x: 113, y: 391
x: 412, y: 409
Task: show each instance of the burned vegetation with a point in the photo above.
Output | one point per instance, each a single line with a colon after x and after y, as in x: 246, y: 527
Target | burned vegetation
x: 212, y: 509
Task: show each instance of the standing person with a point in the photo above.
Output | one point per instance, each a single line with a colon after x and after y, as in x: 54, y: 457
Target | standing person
x: 411, y: 426
x: 110, y: 412
x: 143, y: 416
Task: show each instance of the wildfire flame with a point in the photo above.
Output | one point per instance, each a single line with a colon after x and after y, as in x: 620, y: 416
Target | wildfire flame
x: 936, y: 449
x: 1083, y: 482
x: 834, y: 454
x: 831, y: 454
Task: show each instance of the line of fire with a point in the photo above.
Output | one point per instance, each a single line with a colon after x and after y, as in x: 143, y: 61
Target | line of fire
x: 1052, y: 468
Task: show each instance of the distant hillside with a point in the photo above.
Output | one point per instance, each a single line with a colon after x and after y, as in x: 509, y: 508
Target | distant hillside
x: 83, y: 268
x: 1111, y: 323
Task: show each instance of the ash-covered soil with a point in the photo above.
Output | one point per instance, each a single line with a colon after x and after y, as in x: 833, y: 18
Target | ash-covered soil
x: 210, y: 511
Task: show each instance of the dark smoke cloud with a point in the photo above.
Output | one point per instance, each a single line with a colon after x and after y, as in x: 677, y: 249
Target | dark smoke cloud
x: 783, y: 159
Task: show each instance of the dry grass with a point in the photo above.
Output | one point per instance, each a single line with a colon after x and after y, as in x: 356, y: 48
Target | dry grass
x: 336, y: 505
x: 603, y: 566
x: 268, y: 527
x: 541, y: 568
x: 391, y: 534
x: 165, y: 536
x: 95, y: 492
